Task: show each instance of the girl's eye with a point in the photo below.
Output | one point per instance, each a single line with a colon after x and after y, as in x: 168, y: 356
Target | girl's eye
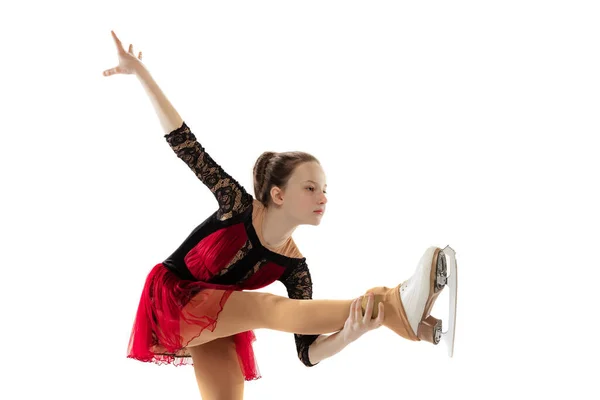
x: 312, y: 189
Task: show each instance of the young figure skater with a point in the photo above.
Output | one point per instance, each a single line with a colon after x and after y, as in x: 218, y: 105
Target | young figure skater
x: 196, y: 307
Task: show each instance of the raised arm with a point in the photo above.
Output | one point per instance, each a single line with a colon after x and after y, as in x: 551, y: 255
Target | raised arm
x: 231, y: 196
x: 129, y: 64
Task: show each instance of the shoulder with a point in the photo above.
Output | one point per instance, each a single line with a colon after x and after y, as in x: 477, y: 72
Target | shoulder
x: 294, y: 251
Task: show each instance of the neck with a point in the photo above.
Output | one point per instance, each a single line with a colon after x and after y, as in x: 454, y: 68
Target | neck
x: 277, y: 227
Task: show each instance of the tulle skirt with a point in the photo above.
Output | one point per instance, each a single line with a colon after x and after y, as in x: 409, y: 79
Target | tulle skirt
x: 172, y: 312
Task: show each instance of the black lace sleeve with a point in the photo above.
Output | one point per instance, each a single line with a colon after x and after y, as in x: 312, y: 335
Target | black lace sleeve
x: 299, y: 286
x: 231, y: 196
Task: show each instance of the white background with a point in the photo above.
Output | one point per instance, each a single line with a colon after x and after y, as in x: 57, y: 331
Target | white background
x: 467, y: 123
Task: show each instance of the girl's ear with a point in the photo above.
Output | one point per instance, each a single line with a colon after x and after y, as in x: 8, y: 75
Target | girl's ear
x: 277, y: 195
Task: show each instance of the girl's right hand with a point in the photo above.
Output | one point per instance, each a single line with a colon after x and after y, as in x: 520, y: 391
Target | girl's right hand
x: 358, y: 324
x: 128, y: 62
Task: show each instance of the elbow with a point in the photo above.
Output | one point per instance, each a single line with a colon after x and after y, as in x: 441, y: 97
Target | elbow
x: 307, y: 362
x: 304, y: 357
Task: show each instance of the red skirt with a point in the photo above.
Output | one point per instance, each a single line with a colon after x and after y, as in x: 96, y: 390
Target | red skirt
x: 172, y: 312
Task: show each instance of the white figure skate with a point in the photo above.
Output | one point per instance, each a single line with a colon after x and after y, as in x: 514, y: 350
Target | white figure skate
x: 436, y: 269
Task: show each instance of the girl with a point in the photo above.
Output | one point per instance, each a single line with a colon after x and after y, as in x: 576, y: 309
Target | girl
x: 196, y: 304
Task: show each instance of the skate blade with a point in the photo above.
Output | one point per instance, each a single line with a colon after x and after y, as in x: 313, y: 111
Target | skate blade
x: 448, y: 335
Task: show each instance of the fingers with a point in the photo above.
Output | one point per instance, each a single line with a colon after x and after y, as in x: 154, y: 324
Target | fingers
x: 121, y: 48
x: 369, y: 309
x: 375, y: 323
x: 358, y: 309
x: 364, y: 322
x: 112, y: 71
x: 117, y: 42
x: 379, y: 320
x: 352, y: 309
x: 133, y: 53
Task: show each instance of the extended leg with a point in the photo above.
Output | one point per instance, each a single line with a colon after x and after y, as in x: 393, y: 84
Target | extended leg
x: 246, y: 311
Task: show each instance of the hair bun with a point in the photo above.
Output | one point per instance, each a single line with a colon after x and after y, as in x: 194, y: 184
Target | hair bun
x: 261, y: 172
x: 263, y: 162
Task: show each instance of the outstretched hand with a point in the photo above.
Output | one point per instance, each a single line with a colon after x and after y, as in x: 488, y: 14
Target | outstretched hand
x: 358, y: 324
x: 128, y: 62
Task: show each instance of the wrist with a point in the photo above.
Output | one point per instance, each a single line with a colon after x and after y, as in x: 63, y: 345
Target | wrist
x: 327, y: 346
x: 141, y: 72
x: 348, y: 336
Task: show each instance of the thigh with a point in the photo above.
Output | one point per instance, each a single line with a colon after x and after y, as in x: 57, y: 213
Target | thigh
x: 243, y: 311
x: 217, y: 370
x: 249, y: 310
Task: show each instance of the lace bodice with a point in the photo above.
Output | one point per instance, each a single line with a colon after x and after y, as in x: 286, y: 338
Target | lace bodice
x: 233, y: 201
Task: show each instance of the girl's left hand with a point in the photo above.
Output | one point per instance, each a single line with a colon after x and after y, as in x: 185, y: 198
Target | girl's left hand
x: 128, y: 62
x: 358, y: 324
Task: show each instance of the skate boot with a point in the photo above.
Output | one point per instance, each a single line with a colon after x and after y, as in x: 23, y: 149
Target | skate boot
x: 407, y: 307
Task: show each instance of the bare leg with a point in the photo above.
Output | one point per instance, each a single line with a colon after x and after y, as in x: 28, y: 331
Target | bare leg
x: 245, y: 311
x: 217, y: 370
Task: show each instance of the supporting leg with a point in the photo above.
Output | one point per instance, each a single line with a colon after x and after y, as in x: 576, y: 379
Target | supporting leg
x: 217, y: 370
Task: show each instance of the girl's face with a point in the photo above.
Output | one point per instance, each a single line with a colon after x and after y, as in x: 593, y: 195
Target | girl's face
x: 305, y: 194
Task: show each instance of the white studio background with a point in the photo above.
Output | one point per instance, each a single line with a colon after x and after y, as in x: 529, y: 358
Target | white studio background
x: 467, y: 123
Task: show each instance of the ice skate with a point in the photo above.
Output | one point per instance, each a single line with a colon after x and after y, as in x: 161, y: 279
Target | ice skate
x: 408, y: 306
x: 448, y: 336
x: 436, y: 269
